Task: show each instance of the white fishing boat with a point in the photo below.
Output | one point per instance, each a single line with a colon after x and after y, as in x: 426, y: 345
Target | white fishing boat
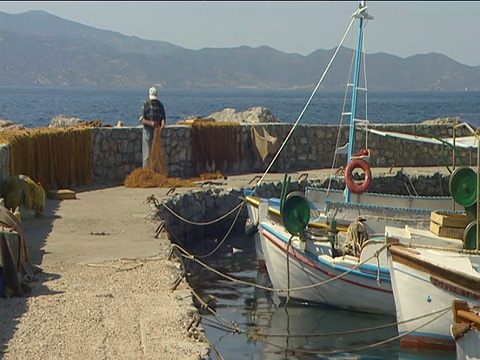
x: 465, y: 329
x: 425, y: 281
x: 305, y: 268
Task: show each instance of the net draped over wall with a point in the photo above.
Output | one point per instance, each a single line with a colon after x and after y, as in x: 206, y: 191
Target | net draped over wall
x: 216, y: 146
x: 156, y: 172
x: 56, y: 158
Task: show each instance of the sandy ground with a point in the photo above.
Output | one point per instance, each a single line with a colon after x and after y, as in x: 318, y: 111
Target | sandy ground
x: 105, y: 290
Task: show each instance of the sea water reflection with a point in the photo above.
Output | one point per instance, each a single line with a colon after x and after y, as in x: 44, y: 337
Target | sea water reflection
x: 270, y: 330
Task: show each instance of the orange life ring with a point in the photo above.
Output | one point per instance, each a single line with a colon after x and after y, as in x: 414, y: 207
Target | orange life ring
x: 354, y: 187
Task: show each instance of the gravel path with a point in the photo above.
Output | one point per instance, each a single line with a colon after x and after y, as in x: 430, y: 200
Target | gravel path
x: 105, y: 290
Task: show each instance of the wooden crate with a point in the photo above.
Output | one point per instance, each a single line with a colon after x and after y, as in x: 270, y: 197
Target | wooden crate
x: 449, y: 220
x: 448, y: 225
x: 446, y: 231
x: 61, y: 194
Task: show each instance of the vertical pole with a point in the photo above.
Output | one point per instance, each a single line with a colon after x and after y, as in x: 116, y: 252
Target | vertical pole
x: 453, y: 161
x: 351, y: 137
x: 478, y: 187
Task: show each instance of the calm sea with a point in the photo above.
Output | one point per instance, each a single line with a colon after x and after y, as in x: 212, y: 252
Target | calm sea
x: 36, y: 106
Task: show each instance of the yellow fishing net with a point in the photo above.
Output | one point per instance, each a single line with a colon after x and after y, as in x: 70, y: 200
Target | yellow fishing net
x: 53, y: 157
x: 146, y: 178
x: 22, y: 192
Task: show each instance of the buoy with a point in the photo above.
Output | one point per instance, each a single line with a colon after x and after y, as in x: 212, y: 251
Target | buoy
x: 351, y: 184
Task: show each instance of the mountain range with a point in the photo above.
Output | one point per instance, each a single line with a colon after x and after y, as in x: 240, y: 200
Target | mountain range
x: 41, y: 49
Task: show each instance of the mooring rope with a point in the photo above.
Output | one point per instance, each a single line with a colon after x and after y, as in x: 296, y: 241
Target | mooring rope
x: 367, y: 329
x: 226, y: 235
x: 228, y: 277
x: 234, y: 328
x: 223, y: 324
x: 192, y: 257
x: 231, y: 327
x: 210, y: 222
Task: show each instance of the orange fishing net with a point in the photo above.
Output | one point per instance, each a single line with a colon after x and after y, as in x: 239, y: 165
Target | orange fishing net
x: 156, y: 160
x: 214, y: 145
x: 146, y: 178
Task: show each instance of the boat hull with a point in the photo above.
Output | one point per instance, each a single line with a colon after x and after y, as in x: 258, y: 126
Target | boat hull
x: 465, y: 330
x: 425, y: 282
x: 468, y: 346
x: 366, y: 289
x: 252, y: 205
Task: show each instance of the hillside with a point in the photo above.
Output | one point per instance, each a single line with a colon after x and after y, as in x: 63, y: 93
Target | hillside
x: 42, y: 49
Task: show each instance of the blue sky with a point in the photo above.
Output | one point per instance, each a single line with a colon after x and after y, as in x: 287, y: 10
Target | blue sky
x: 400, y: 28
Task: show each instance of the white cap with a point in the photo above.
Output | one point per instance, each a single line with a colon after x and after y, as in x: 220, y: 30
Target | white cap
x: 152, y: 93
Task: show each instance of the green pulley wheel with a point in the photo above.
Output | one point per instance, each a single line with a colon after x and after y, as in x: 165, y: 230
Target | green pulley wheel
x: 463, y: 186
x: 470, y: 236
x: 295, y: 212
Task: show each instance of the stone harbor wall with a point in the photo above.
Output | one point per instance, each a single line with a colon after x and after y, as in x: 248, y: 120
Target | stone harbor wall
x: 117, y: 151
x: 249, y: 148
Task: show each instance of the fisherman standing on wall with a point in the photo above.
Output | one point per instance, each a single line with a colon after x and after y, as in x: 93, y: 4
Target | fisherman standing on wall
x: 151, y: 117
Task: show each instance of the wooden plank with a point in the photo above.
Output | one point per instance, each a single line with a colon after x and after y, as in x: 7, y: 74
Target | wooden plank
x: 450, y: 220
x: 62, y: 194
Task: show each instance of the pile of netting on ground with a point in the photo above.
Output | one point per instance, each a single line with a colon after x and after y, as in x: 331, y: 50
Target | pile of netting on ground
x: 146, y: 178
x: 156, y: 172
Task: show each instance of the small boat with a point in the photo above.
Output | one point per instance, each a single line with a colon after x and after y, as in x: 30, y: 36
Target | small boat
x: 425, y: 281
x: 465, y: 329
x: 305, y: 268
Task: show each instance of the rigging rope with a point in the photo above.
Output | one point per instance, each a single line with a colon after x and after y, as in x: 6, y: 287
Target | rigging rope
x: 306, y: 105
